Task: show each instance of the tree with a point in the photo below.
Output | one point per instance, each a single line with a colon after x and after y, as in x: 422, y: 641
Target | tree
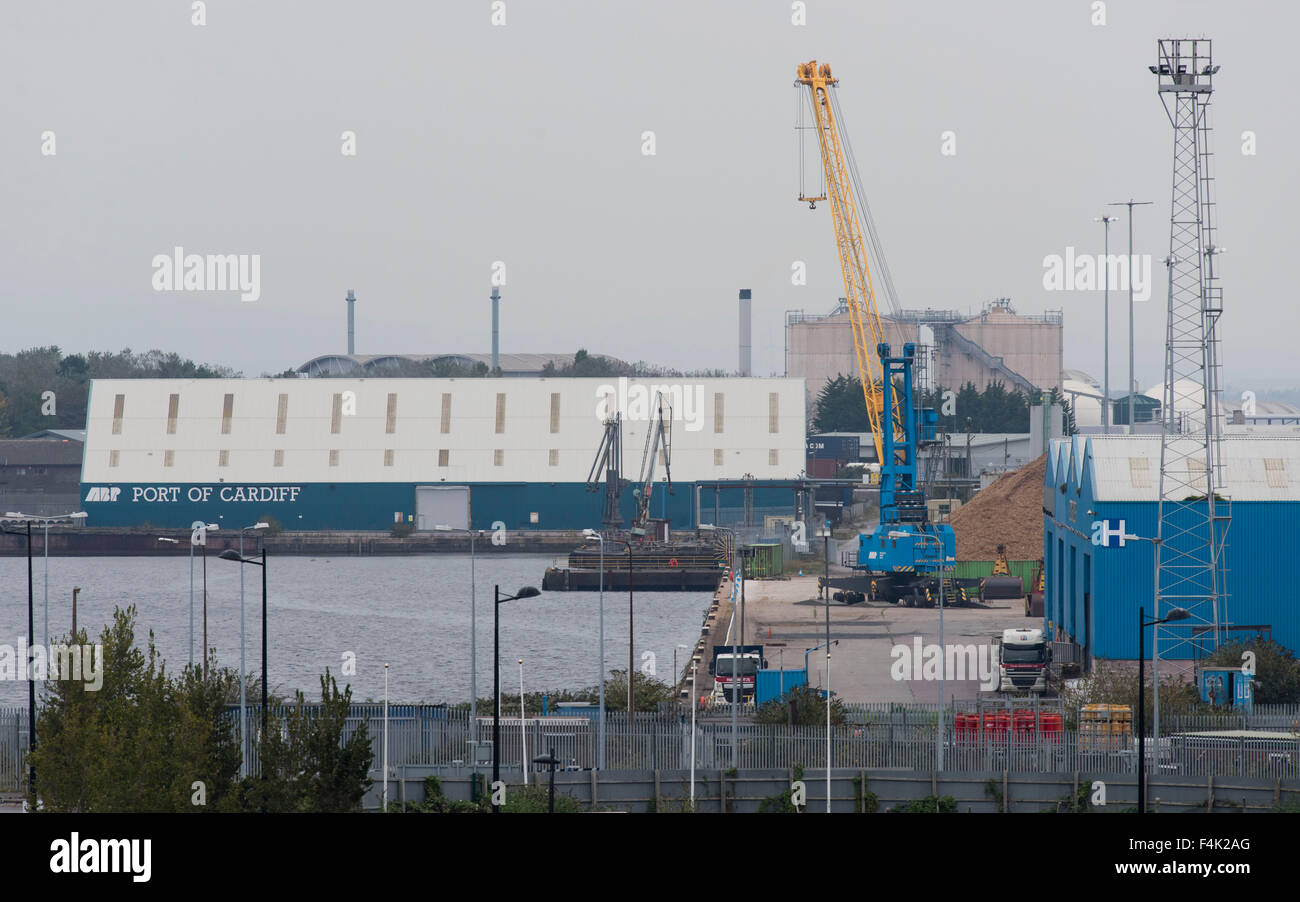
x: 647, y: 692
x: 809, y: 707
x: 307, y: 765
x: 141, y: 740
x: 841, y: 407
x: 1115, y: 684
x: 147, y: 741
x: 27, y: 376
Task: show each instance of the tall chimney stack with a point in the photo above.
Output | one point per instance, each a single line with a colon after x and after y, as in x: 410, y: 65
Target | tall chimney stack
x: 746, y: 369
x: 352, y: 322
x: 496, y: 329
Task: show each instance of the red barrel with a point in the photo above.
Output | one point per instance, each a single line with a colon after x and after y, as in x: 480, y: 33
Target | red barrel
x: 996, y: 726
x: 1051, y: 726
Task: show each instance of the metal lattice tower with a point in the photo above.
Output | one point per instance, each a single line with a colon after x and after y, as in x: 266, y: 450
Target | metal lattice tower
x: 1194, y: 514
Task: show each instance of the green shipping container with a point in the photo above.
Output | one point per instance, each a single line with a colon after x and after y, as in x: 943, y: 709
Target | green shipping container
x: 980, y: 569
x: 766, y: 561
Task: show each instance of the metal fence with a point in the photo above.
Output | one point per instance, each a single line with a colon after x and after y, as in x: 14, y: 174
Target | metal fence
x: 892, y: 737
x: 13, y: 748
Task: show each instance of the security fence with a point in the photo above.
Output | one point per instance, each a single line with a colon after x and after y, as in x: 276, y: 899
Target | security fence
x: 977, y: 737
x: 13, y: 748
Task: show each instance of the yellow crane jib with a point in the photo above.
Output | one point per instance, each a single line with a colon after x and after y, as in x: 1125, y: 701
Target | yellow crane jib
x: 868, y: 333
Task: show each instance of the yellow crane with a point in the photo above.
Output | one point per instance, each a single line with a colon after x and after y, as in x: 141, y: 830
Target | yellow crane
x: 849, y: 241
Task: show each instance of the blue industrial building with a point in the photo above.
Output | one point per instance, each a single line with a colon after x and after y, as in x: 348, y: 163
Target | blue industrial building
x: 1093, y: 592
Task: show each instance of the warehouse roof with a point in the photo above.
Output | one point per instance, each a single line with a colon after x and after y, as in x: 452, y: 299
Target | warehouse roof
x: 39, y: 452
x: 375, y: 364
x: 63, y: 435
x: 1127, y: 467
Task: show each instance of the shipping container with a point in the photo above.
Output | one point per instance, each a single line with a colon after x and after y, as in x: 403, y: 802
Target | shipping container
x: 773, y: 683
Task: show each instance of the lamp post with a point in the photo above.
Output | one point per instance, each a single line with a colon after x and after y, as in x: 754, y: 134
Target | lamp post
x: 31, y: 681
x: 523, y: 731
x: 1132, y: 388
x: 1105, y: 275
x: 735, y: 648
x: 385, y: 805
x: 825, y: 533
x: 828, y: 729
x: 1143, y: 623
x: 177, y: 542
x: 473, y: 638
x: 498, y: 600
x: 199, y: 536
x: 198, y: 529
x: 549, y: 760
x: 695, y: 666
x: 677, y: 679
x: 28, y: 520
x: 631, y: 671
x: 600, y: 674
x: 231, y: 554
x: 243, y: 671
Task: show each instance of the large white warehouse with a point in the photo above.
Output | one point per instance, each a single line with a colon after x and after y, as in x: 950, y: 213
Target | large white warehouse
x: 364, y: 453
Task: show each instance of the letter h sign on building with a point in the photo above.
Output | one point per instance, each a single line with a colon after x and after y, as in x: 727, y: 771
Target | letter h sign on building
x: 1108, y: 533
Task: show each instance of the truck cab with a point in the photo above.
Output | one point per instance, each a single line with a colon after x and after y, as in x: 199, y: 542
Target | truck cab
x: 736, y: 681
x: 1023, y: 659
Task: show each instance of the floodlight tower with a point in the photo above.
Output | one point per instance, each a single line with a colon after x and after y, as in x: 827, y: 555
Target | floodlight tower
x: 1194, y: 513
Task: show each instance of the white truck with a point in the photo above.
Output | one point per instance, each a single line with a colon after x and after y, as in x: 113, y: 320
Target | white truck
x: 1024, y: 656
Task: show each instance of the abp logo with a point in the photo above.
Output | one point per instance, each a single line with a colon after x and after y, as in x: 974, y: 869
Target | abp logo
x: 102, y: 493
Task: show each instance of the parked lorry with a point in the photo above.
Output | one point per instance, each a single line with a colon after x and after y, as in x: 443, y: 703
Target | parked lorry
x: 735, y: 676
x: 1024, y: 659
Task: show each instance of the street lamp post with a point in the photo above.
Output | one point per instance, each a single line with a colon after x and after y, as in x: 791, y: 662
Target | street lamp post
x: 473, y: 639
x: 600, y: 674
x: 199, y: 536
x: 231, y: 555
x: 735, y: 648
x: 550, y: 761
x: 1143, y: 623
x: 695, y: 666
x: 631, y: 709
x: 27, y: 520
x: 177, y: 542
x: 385, y: 805
x: 1105, y: 408
x: 498, y: 600
x: 243, y: 670
x: 828, y: 729
x: 1132, y: 388
x: 523, y: 730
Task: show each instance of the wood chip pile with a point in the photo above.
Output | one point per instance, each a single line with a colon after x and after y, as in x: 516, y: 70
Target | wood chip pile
x: 1008, y: 512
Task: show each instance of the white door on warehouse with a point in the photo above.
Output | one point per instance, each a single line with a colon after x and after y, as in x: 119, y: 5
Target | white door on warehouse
x: 441, y: 505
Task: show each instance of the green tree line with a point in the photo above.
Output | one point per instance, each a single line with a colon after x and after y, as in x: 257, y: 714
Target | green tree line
x: 148, y: 740
x: 840, y: 408
x: 28, y: 377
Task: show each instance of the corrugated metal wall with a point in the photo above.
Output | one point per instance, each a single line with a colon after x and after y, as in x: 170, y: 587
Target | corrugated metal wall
x: 427, y: 430
x: 1094, y: 592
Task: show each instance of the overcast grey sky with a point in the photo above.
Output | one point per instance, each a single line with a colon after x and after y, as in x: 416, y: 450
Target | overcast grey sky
x: 522, y: 143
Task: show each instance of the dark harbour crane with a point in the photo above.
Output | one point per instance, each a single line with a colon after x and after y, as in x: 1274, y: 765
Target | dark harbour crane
x: 609, y: 461
x: 659, y: 435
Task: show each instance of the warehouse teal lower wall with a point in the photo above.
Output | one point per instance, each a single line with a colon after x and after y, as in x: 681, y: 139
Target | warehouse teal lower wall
x: 375, y: 505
